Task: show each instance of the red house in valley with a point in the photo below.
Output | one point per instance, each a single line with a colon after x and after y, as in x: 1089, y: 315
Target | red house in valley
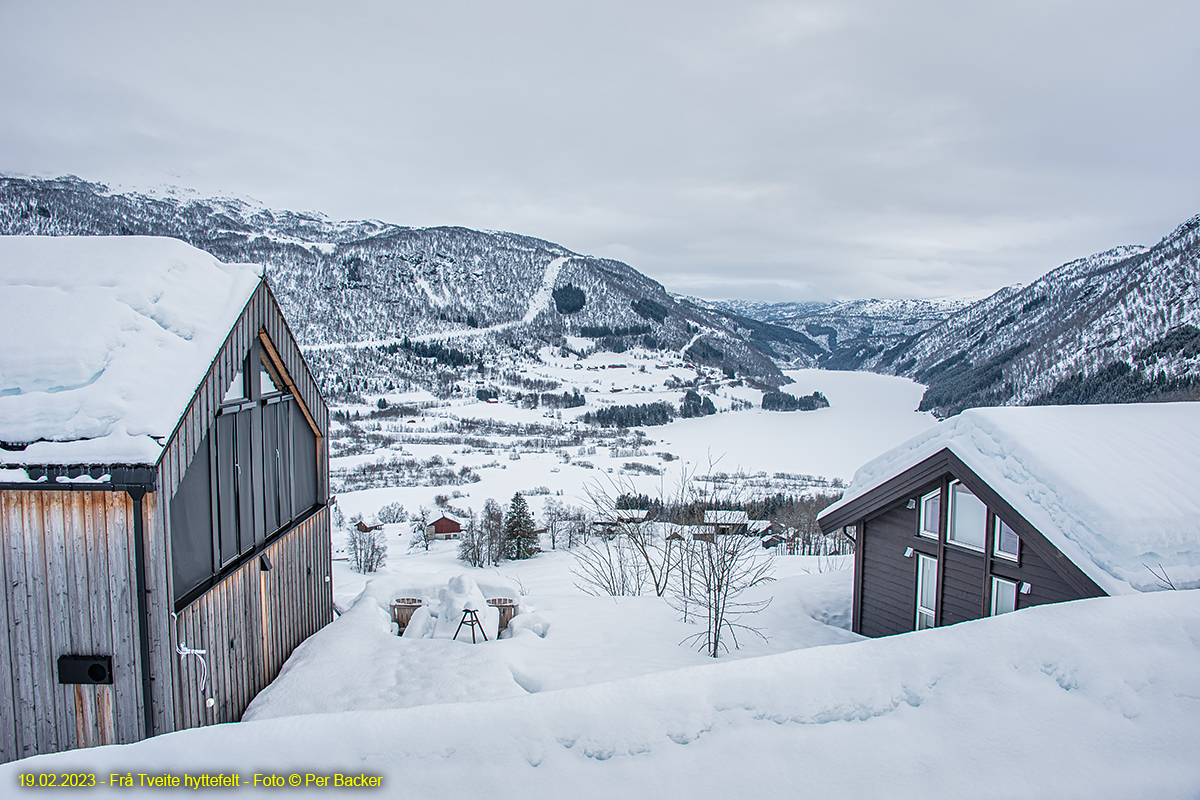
x: 444, y: 527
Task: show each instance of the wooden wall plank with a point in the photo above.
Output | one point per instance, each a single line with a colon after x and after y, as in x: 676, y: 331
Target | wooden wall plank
x: 9, y: 748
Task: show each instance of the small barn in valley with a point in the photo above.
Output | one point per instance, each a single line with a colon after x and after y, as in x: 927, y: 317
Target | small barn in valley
x: 444, y: 527
x: 1002, y: 508
x: 163, y: 491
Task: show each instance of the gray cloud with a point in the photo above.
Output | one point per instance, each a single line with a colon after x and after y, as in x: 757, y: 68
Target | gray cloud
x: 729, y: 149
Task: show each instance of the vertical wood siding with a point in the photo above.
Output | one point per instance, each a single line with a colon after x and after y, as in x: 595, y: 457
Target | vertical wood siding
x: 67, y: 565
x: 251, y: 622
x: 888, y: 601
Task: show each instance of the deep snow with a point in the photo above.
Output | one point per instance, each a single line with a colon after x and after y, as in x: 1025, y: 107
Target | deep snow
x: 105, y: 340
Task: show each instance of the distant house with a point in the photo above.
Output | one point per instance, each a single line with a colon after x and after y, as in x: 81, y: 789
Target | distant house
x: 444, y: 527
x: 163, y: 491
x: 722, y: 523
x: 1002, y: 508
x: 617, y: 519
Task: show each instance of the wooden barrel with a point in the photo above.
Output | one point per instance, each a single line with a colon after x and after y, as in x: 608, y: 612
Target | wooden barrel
x: 402, y: 610
x: 507, y: 607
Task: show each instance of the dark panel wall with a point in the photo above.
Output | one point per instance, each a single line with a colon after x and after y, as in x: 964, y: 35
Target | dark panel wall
x: 885, y: 591
x: 888, y: 592
x: 962, y: 585
x: 1047, y: 586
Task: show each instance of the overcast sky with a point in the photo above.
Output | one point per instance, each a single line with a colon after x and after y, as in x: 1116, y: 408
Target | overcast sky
x: 763, y: 151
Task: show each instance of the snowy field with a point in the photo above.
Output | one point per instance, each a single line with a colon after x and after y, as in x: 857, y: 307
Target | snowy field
x: 868, y: 414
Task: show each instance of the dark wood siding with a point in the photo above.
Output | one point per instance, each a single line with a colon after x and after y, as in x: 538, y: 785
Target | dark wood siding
x: 885, y: 581
x: 962, y: 585
x: 1046, y: 585
x: 888, y: 593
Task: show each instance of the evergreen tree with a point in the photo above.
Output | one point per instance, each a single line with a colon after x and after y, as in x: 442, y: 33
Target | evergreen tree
x: 519, y: 536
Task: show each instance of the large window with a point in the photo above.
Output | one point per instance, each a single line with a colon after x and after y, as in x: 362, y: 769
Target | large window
x: 1004, y: 596
x: 968, y: 517
x: 926, y: 591
x: 931, y: 508
x: 253, y: 475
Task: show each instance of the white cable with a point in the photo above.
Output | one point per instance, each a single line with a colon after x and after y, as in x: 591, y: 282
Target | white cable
x: 186, y: 651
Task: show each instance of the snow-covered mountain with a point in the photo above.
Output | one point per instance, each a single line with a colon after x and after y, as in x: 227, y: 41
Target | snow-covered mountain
x: 375, y: 303
x: 377, y: 289
x: 1118, y: 326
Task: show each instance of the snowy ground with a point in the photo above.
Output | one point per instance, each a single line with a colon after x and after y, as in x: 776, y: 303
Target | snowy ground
x: 1093, y: 699
x: 597, y: 697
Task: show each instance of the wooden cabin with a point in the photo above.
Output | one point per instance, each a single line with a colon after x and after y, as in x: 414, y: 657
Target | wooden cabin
x: 163, y: 491
x: 444, y: 527
x: 999, y: 509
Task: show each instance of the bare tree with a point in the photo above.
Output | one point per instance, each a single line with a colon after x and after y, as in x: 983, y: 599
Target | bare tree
x: 492, y: 525
x: 366, y: 545
x: 553, y: 512
x: 472, y: 547
x: 610, y: 566
x: 712, y: 577
x: 422, y: 534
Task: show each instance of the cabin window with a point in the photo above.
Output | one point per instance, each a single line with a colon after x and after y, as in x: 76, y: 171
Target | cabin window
x: 255, y: 473
x: 1004, y: 596
x: 268, y: 381
x: 926, y: 591
x: 968, y: 517
x: 931, y: 507
x: 236, y: 390
x: 1005, y: 542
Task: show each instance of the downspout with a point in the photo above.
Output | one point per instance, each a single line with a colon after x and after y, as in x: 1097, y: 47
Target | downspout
x: 136, y: 493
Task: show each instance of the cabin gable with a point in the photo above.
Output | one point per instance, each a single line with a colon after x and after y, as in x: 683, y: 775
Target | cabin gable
x: 891, y: 553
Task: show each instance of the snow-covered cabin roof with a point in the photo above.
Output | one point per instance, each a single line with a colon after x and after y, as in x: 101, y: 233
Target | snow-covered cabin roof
x: 105, y: 340
x: 1116, y: 488
x: 721, y: 517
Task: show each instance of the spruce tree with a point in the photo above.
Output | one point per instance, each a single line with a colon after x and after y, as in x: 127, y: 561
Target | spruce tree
x: 519, y: 536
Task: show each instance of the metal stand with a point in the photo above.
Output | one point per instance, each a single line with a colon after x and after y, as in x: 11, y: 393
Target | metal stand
x: 471, y: 620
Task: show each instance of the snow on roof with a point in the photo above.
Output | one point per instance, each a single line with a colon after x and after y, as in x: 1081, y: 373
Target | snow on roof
x: 727, y: 517
x: 106, y: 339
x: 1113, y: 487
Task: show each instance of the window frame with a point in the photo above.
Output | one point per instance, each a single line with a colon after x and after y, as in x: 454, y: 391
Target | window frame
x: 1016, y: 591
x: 241, y: 482
x: 925, y: 563
x: 1014, y: 558
x: 951, y: 510
x: 922, y: 517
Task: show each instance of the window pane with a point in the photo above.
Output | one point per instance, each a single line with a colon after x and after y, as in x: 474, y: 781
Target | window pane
x: 1007, y: 541
x: 191, y: 526
x: 931, y: 506
x: 928, y: 594
x: 968, y: 517
x: 227, y: 487
x: 268, y: 382
x: 236, y: 390
x: 1004, y: 596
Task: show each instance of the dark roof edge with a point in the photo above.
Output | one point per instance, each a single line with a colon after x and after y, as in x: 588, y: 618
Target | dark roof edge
x: 120, y: 477
x: 887, y: 492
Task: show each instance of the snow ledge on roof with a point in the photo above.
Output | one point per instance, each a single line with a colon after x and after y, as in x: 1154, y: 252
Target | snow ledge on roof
x: 1113, y: 487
